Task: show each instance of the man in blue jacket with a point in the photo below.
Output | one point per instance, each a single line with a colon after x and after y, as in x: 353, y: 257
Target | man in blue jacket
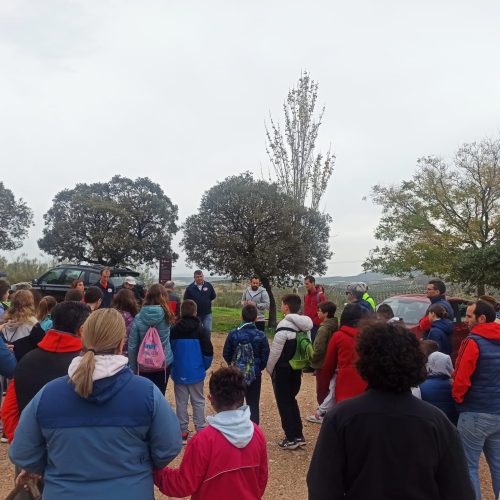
x: 203, y: 293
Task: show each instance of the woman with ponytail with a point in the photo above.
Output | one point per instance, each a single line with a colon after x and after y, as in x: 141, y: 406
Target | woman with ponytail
x: 155, y: 313
x: 99, y: 432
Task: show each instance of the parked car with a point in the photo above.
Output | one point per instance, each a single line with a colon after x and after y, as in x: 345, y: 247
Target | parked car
x: 57, y: 281
x: 412, y: 307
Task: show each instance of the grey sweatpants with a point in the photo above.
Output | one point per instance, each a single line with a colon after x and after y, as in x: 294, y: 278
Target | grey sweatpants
x: 183, y: 392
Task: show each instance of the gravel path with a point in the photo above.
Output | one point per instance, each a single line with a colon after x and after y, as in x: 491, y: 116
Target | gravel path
x: 287, y: 469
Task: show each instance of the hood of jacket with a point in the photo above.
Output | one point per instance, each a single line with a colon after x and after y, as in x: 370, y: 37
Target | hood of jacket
x: 490, y: 331
x: 109, y: 377
x: 151, y: 315
x: 13, y: 331
x: 297, y: 322
x: 349, y: 330
x: 443, y: 324
x: 439, y: 363
x: 185, y: 325
x: 56, y: 341
x: 331, y: 323
x: 259, y: 290
x: 235, y: 425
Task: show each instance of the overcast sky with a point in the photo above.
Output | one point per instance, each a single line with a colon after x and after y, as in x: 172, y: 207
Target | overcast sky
x: 179, y: 91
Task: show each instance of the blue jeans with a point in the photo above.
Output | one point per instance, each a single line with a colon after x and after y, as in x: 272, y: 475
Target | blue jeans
x: 206, y: 321
x: 481, y: 432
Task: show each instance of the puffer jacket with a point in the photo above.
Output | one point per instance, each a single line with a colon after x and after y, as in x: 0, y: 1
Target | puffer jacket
x: 248, y: 333
x: 436, y: 389
x: 441, y: 332
x: 148, y: 316
x: 101, y: 447
x: 321, y: 341
x: 285, y: 340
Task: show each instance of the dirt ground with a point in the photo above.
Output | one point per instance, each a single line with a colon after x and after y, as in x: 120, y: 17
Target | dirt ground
x: 287, y: 469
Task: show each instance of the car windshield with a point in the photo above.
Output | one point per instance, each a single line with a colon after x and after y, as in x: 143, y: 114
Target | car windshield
x: 410, y: 310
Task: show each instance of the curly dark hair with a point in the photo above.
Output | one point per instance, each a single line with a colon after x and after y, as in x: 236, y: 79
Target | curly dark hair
x: 390, y: 357
x: 227, y: 388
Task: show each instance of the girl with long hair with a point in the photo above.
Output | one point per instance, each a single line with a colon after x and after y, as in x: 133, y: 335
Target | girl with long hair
x: 115, y: 445
x: 155, y: 313
x: 126, y: 304
x: 45, y: 306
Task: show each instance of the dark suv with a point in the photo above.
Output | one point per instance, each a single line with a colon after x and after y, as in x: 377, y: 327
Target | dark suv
x: 57, y: 281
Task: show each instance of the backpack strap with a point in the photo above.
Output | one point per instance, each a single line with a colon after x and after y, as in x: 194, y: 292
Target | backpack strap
x: 286, y: 329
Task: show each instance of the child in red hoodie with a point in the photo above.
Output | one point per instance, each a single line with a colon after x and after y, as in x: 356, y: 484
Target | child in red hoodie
x: 228, y: 458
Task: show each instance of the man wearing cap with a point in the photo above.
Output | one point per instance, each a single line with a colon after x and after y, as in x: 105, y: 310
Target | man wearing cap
x: 131, y: 284
x: 354, y: 294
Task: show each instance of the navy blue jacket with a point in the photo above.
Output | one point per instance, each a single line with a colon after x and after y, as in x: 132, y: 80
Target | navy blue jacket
x: 7, y: 360
x: 107, y: 293
x: 248, y: 333
x: 203, y: 297
x: 441, y: 332
x: 436, y: 390
x: 192, y: 349
x: 441, y: 300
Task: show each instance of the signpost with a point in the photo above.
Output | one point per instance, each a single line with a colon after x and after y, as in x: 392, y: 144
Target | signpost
x: 165, y: 270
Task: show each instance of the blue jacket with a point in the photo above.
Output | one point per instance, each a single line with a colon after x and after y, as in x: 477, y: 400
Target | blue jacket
x: 436, y: 390
x: 441, y: 332
x: 244, y: 334
x: 202, y: 298
x: 102, y: 447
x: 192, y: 349
x: 7, y: 360
x: 148, y: 316
x: 441, y: 300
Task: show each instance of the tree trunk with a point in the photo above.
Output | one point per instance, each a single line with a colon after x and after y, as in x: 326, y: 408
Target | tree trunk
x: 272, y: 303
x: 481, y: 289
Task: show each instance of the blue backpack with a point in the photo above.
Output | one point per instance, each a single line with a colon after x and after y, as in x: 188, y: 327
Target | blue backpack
x: 244, y: 360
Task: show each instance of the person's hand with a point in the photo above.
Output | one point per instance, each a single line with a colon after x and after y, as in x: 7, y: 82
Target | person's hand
x: 10, y: 347
x: 250, y: 303
x: 24, y: 477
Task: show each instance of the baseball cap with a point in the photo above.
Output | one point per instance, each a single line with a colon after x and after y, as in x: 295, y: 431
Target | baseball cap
x: 130, y: 280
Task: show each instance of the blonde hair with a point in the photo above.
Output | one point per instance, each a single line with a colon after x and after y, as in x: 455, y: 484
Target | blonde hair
x: 22, y: 309
x: 45, y: 307
x: 103, y: 332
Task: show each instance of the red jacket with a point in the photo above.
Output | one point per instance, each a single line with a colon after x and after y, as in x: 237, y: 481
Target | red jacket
x: 342, y: 355
x: 53, y: 342
x: 467, y: 359
x: 311, y: 301
x: 213, y: 469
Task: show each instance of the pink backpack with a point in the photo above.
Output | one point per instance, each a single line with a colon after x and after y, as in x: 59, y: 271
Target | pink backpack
x: 151, y: 357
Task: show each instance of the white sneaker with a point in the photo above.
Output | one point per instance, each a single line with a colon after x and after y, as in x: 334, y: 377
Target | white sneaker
x: 315, y: 419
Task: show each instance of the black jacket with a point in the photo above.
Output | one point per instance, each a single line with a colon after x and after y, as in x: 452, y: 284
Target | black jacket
x: 383, y: 445
x: 203, y: 297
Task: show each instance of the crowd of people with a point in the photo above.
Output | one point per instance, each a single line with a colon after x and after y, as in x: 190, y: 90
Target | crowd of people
x: 86, y: 415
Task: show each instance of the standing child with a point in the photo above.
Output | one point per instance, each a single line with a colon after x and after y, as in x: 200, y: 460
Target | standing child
x: 227, y: 459
x: 286, y: 380
x: 441, y: 328
x: 329, y: 324
x: 193, y: 353
x: 247, y: 348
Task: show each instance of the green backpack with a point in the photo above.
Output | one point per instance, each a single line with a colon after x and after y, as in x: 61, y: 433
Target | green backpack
x: 303, y: 353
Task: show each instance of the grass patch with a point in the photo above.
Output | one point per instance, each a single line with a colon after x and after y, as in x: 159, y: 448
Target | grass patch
x: 225, y: 319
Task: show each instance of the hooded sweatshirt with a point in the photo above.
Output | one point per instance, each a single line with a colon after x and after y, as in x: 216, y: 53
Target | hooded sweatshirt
x: 441, y: 332
x: 321, y: 341
x: 437, y: 387
x: 261, y: 299
x: 285, y: 340
x: 99, y: 447
x: 475, y: 380
x: 148, y: 316
x: 227, y: 459
x: 14, y: 333
x: 342, y: 356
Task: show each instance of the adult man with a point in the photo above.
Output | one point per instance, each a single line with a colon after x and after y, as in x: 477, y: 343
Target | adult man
x: 354, y: 294
x: 436, y: 293
x: 47, y: 362
x: 476, y: 390
x: 174, y: 300
x: 314, y: 295
x: 203, y: 293
x: 131, y: 284
x: 107, y: 287
x: 257, y: 295
x: 386, y: 443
